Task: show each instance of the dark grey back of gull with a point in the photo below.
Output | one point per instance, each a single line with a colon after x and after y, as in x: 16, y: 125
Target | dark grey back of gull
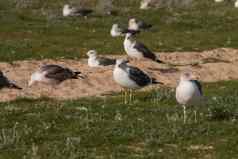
x: 145, y: 51
x: 106, y: 61
x: 83, y: 12
x: 59, y: 73
x: 143, y: 25
x: 135, y: 74
x: 198, y: 84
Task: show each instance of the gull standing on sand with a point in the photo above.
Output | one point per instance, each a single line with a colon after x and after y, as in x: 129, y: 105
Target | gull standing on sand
x: 130, y: 77
x: 138, y: 50
x: 97, y: 61
x: 72, y: 11
x: 53, y: 75
x: 6, y: 83
x: 137, y: 25
x: 188, y: 92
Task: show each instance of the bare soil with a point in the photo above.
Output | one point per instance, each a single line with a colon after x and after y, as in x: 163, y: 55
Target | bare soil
x: 208, y: 66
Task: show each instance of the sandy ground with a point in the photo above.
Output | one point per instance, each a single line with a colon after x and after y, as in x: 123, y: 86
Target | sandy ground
x: 208, y: 66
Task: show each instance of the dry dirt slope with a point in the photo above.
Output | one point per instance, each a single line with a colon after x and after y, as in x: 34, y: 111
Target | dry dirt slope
x: 214, y: 65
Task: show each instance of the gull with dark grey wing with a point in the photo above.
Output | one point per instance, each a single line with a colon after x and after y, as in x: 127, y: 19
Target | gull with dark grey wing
x: 138, y: 50
x: 6, y: 83
x: 130, y: 77
x: 72, y: 11
x: 138, y: 25
x: 189, y: 92
x: 53, y: 75
x: 97, y: 61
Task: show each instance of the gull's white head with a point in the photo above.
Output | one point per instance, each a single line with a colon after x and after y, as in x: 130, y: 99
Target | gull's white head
x: 132, y: 22
x: 66, y: 10
x: 92, y: 53
x: 187, y: 76
x: 121, y: 61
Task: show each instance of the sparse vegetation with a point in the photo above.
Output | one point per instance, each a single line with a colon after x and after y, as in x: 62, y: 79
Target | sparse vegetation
x: 149, y: 127
x: 39, y: 31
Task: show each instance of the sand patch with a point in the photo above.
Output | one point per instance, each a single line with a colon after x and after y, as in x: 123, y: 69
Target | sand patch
x: 209, y: 66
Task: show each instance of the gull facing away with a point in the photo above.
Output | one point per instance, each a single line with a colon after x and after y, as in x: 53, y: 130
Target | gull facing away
x: 53, y: 75
x: 72, y: 11
x: 188, y: 92
x: 97, y: 61
x: 138, y: 50
x: 116, y: 31
x: 138, y: 25
x: 130, y: 77
x: 6, y: 83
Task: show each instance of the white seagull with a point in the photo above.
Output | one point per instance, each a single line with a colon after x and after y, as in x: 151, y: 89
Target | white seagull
x: 188, y: 92
x: 97, y: 61
x: 6, y: 83
x: 219, y: 0
x: 138, y: 50
x: 236, y: 4
x: 145, y: 4
x: 138, y: 25
x: 72, y: 11
x: 53, y: 75
x: 116, y: 30
x: 130, y: 77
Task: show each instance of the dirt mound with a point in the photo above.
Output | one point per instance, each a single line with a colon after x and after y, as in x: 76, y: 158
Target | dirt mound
x: 209, y: 66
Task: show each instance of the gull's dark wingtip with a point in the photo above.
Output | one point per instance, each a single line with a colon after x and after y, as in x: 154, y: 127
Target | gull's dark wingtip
x: 159, y: 61
x: 154, y: 81
x: 12, y: 85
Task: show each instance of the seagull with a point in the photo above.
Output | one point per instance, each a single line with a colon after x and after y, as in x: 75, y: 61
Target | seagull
x: 138, y: 50
x: 6, y: 83
x: 236, y: 4
x: 219, y: 0
x: 188, y: 92
x: 135, y: 24
x: 130, y: 77
x: 95, y: 61
x: 145, y: 4
x: 72, y: 11
x: 116, y: 30
x: 53, y: 75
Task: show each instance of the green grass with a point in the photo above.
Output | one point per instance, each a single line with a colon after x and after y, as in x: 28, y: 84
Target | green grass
x: 27, y: 33
x: 150, y: 127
